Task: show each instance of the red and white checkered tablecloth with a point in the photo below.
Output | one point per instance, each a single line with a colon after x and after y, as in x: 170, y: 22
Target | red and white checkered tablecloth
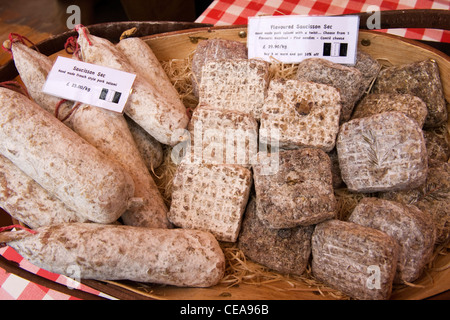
x: 236, y: 12
x: 13, y: 287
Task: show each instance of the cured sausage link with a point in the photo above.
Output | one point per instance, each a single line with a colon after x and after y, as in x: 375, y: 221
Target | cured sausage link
x: 26, y: 201
x: 179, y: 257
x: 61, y: 161
x: 163, y: 119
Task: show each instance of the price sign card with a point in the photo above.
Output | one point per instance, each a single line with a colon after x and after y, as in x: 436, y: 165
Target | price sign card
x: 291, y: 39
x: 89, y: 83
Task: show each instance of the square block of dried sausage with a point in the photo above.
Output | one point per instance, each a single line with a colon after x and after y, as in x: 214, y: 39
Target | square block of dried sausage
x: 220, y: 136
x: 412, y: 228
x: 214, y: 49
x: 299, y: 193
x: 421, y: 79
x: 438, y: 144
x: 357, y: 260
x: 369, y: 68
x: 235, y: 84
x: 301, y: 114
x: 284, y: 250
x: 382, y: 152
x: 211, y: 198
x: 432, y: 197
x: 348, y: 80
x: 374, y: 103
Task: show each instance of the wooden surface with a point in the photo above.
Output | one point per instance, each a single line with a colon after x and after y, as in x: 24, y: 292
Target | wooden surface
x: 38, y: 20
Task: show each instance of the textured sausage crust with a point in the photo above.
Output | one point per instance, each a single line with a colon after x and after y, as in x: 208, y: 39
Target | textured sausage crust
x: 306, y: 114
x: 108, y: 131
x: 113, y: 252
x: 421, y: 79
x: 143, y: 60
x: 25, y: 200
x: 214, y: 49
x: 222, y: 136
x: 283, y: 250
x: 348, y: 80
x: 369, y: 68
x: 146, y: 106
x: 412, y: 229
x: 150, y: 149
x: 235, y: 84
x: 382, y: 152
x: 61, y: 161
x: 345, y: 255
x: 375, y: 103
x: 438, y: 146
x: 431, y: 197
x: 300, y: 193
x: 33, y: 68
x: 210, y: 197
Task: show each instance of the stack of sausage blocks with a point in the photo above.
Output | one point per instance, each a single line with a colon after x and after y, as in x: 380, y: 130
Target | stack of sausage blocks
x: 270, y: 186
x: 261, y: 161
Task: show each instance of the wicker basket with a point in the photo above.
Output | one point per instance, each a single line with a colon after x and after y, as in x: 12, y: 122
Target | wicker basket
x: 389, y: 50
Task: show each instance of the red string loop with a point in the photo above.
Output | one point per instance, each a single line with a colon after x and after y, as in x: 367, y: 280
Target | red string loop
x: 17, y: 226
x: 15, y: 37
x: 72, y: 111
x: 58, y: 106
x: 72, y: 47
x: 83, y: 29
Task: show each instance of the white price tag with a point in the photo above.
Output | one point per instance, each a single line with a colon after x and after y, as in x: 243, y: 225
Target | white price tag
x: 291, y: 39
x: 89, y: 83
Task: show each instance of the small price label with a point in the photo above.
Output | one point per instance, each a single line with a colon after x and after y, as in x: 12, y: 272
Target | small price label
x: 291, y: 39
x: 89, y: 83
